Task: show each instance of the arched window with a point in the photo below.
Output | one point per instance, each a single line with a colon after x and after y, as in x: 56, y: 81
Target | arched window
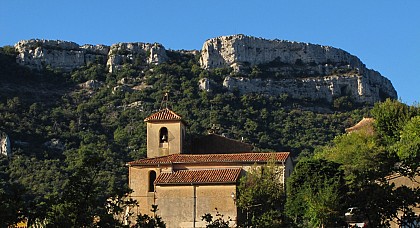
x: 163, y: 135
x: 152, y: 178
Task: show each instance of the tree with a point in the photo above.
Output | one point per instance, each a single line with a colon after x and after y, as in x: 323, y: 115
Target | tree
x: 220, y: 222
x: 11, y: 193
x: 408, y: 147
x: 368, y: 160
x: 315, y: 193
x: 390, y: 116
x: 145, y: 221
x: 261, y: 196
x: 361, y: 157
x: 93, y: 180
x: 42, y: 181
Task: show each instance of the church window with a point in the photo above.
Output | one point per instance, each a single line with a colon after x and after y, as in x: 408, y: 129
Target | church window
x: 163, y: 135
x: 152, y: 178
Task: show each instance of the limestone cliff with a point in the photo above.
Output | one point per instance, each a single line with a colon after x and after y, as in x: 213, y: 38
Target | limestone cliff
x: 64, y: 55
x: 240, y: 51
x: 132, y: 52
x: 302, y: 70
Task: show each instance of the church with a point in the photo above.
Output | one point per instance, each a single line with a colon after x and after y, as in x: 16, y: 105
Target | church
x: 186, y: 184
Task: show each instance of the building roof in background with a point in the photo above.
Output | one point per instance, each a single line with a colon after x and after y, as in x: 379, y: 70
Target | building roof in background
x: 214, y: 158
x: 199, y: 176
x: 366, y: 124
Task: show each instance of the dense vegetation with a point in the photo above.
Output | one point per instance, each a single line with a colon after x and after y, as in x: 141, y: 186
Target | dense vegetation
x: 375, y: 172
x: 70, y: 143
x: 364, y: 170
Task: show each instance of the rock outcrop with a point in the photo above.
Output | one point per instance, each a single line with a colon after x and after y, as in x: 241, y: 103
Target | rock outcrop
x: 5, y: 148
x: 240, y: 51
x: 66, y: 56
x: 137, y: 53
x: 206, y: 84
x: 38, y: 54
x: 91, y: 84
x: 315, y: 88
x: 302, y: 70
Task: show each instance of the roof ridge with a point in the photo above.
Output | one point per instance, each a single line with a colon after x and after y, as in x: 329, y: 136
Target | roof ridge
x: 163, y: 114
x: 223, y: 158
x: 232, y: 154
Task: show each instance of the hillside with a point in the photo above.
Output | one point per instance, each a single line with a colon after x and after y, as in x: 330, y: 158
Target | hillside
x: 272, y: 101
x: 71, y: 110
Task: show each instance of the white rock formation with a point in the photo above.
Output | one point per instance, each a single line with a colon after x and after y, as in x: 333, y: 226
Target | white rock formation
x: 204, y: 84
x: 239, y: 50
x: 311, y: 67
x: 91, y: 84
x: 5, y: 148
x: 38, y: 54
x: 306, y: 70
x: 315, y: 88
x: 128, y: 52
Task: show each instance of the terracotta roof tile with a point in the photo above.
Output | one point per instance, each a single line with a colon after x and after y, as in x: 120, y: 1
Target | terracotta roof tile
x: 164, y: 114
x: 199, y: 176
x: 214, y: 158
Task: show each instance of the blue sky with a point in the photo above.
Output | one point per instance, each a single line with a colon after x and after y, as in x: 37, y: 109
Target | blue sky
x: 384, y: 34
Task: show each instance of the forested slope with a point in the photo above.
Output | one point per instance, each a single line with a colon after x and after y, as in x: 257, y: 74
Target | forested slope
x: 66, y: 135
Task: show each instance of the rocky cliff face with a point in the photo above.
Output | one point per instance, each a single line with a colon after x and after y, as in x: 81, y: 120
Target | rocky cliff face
x: 302, y: 70
x: 240, y: 51
x: 131, y: 52
x: 38, y: 54
x: 315, y: 88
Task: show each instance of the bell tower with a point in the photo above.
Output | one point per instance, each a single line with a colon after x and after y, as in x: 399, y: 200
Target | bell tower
x: 165, y: 133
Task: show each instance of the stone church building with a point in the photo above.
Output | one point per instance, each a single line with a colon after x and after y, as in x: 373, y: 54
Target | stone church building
x: 188, y: 184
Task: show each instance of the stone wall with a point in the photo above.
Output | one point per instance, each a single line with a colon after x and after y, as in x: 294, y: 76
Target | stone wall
x: 183, y: 206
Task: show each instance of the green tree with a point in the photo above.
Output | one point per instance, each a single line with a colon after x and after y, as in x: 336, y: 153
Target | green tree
x: 361, y: 157
x: 261, y: 196
x: 390, y: 116
x: 42, y: 180
x: 220, y: 222
x: 93, y: 181
x: 11, y: 197
x: 369, y: 159
x: 408, y: 147
x: 146, y: 221
x: 316, y: 194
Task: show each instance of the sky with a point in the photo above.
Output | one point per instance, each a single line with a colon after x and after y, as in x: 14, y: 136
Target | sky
x: 384, y: 34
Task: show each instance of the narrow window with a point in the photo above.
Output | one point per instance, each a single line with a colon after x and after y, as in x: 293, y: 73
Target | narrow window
x: 163, y: 135
x: 152, y: 178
